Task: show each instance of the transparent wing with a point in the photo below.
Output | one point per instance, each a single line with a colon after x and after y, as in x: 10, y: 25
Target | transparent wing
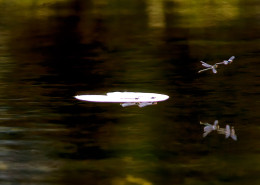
x: 227, y: 131
x: 215, y: 126
x: 205, y: 134
x: 205, y: 64
x: 231, y: 58
x: 234, y: 137
x: 233, y: 134
x: 208, y: 128
x: 204, y: 70
x: 214, y: 70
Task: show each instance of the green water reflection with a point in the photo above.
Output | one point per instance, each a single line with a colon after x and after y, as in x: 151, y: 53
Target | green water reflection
x: 53, y: 50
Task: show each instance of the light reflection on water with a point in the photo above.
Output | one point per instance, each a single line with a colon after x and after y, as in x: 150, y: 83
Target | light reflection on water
x: 51, y: 51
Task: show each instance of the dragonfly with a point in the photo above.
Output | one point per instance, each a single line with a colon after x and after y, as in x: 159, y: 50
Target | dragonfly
x: 208, y: 67
x: 226, y: 62
x: 209, y: 127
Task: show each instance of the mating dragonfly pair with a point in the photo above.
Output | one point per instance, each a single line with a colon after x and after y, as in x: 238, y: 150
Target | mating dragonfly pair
x: 228, y: 132
x: 213, y: 67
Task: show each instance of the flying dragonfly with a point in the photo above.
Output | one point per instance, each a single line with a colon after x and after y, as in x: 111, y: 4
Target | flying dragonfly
x: 209, y: 127
x: 208, y: 67
x: 227, y: 131
x: 226, y: 62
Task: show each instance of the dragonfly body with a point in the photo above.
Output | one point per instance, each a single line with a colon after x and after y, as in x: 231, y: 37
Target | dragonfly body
x: 226, y: 62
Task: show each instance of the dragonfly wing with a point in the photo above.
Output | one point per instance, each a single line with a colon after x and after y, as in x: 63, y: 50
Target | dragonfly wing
x: 204, y: 70
x: 208, y: 128
x: 205, y: 64
x: 214, y: 70
x: 234, y: 137
x: 231, y: 58
x: 233, y: 134
x: 214, y: 127
x: 205, y: 134
x: 227, y: 131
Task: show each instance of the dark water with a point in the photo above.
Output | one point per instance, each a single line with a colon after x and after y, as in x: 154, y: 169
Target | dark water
x: 53, y: 50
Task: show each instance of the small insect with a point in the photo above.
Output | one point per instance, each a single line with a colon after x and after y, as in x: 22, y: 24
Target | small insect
x: 227, y: 131
x: 226, y: 62
x: 208, y: 67
x: 209, y: 127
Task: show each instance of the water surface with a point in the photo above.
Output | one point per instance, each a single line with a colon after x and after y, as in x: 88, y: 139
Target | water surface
x: 51, y: 51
